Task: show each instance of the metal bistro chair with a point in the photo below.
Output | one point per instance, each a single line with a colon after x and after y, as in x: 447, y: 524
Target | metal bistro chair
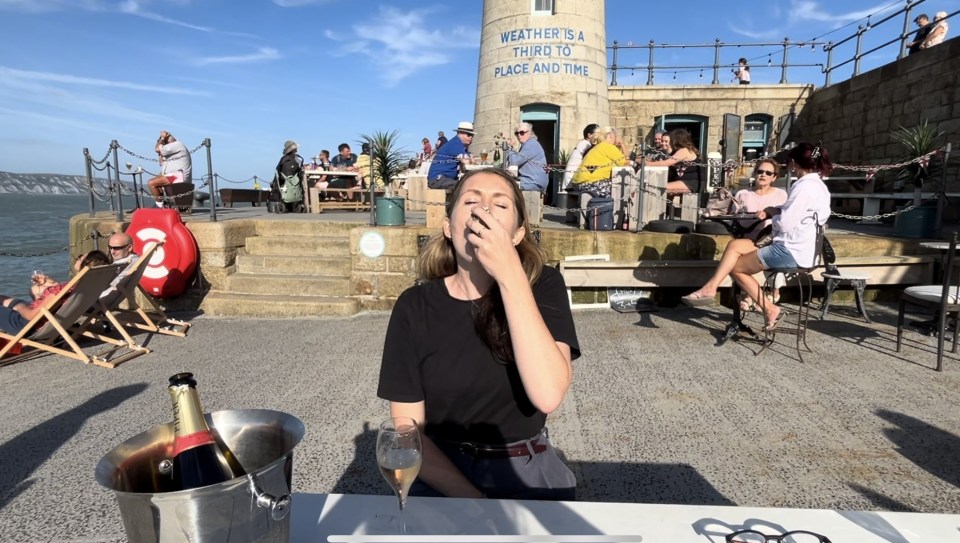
x: 944, y: 298
x: 804, y: 280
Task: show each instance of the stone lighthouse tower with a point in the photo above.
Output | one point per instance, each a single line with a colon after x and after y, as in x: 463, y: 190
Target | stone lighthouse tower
x: 544, y: 62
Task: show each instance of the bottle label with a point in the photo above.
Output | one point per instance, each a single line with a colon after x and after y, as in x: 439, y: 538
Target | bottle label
x: 196, y: 439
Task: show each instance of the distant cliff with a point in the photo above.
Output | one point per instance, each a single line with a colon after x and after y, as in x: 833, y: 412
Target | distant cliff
x: 48, y: 183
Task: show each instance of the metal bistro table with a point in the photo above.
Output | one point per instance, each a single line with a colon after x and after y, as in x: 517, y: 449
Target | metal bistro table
x: 738, y: 231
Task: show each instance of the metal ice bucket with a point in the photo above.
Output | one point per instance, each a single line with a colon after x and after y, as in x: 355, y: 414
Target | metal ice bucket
x: 251, y: 509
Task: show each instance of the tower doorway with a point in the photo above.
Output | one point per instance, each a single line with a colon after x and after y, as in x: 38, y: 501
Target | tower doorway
x: 545, y: 119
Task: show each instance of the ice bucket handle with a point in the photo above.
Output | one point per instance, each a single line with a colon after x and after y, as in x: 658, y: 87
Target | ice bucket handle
x: 279, y: 506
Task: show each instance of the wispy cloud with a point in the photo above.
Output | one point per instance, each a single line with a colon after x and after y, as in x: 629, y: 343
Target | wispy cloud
x: 756, y: 34
x: 401, y: 43
x: 50, y: 77
x: 263, y: 54
x: 810, y: 10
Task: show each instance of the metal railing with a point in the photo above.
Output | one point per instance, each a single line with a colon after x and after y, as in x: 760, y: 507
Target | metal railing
x: 858, y: 40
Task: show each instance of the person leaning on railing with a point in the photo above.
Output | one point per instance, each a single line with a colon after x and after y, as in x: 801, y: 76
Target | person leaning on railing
x: 938, y: 32
x: 593, y: 175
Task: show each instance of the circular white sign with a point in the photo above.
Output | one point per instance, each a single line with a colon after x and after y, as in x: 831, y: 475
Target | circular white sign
x: 372, y: 244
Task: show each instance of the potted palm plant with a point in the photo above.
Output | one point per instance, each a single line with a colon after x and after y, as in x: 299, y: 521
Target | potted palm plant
x: 918, y: 141
x: 388, y: 162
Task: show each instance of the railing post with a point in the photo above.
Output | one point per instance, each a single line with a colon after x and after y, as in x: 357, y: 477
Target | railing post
x: 856, y: 57
x: 213, y: 182
x: 116, y: 172
x: 941, y: 193
x: 613, y: 68
x: 906, y: 30
x: 650, y: 64
x: 373, y: 188
x: 89, y: 169
x: 829, y: 49
x: 716, y: 62
x: 783, y: 66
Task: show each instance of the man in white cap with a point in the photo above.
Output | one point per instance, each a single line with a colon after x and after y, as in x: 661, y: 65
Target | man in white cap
x: 445, y: 167
x: 175, y: 164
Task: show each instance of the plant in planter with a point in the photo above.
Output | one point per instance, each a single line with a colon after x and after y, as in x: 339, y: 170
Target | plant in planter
x: 389, y: 161
x: 919, y: 141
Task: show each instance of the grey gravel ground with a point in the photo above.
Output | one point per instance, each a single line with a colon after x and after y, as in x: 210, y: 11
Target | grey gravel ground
x: 656, y: 414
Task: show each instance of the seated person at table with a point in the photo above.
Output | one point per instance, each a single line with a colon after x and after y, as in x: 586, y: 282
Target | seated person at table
x: 580, y: 151
x: 683, y: 175
x: 344, y: 161
x: 445, y: 168
x: 481, y: 352
x: 593, y: 175
x: 363, y: 167
x: 762, y: 196
x: 794, y: 234
x: 529, y: 159
x: 15, y: 314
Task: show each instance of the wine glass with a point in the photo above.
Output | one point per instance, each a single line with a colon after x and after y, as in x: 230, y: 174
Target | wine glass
x: 399, y: 454
x: 483, y: 156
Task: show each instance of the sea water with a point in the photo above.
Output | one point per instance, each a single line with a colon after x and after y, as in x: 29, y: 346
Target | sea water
x: 38, y: 223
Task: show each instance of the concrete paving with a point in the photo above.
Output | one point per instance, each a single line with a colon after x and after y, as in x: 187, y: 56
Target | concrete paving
x: 656, y: 414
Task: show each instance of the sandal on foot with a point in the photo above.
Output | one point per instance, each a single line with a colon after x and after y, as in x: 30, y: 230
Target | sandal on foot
x: 771, y: 326
x: 698, y: 300
x: 747, y: 305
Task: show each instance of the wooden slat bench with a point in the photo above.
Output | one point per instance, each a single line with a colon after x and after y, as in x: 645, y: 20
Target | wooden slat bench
x: 359, y: 199
x: 251, y: 196
x: 645, y: 274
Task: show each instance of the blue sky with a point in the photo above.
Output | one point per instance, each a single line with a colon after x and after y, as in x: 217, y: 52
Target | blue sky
x: 250, y: 74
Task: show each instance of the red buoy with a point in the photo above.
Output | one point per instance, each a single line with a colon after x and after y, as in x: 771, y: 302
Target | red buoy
x: 173, y: 265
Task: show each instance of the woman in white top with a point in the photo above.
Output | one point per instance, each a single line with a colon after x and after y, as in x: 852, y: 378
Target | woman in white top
x: 742, y: 73
x: 939, y: 32
x: 794, y: 233
x: 576, y: 157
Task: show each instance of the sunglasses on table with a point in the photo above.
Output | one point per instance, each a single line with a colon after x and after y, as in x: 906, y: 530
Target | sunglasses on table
x: 765, y: 172
x: 796, y: 536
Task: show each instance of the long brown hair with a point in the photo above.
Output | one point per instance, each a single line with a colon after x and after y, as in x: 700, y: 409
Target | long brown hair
x: 437, y: 260
x: 680, y: 139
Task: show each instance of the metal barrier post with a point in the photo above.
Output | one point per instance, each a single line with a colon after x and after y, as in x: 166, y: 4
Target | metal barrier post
x: 783, y: 66
x: 716, y: 62
x: 857, y: 55
x: 373, y: 187
x: 650, y: 65
x: 213, y: 182
x: 941, y: 193
x: 906, y: 30
x: 89, y: 168
x: 829, y: 49
x: 613, y: 67
x: 116, y: 172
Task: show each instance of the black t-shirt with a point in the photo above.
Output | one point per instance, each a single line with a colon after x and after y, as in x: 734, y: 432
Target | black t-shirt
x: 922, y: 34
x: 433, y: 354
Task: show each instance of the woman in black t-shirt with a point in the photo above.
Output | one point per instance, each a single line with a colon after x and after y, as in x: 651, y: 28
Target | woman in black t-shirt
x: 482, y: 351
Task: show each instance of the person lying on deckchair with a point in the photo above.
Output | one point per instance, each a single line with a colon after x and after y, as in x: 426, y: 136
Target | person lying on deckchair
x: 15, y: 314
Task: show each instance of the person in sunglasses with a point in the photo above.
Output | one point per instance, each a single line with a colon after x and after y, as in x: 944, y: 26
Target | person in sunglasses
x: 760, y: 197
x: 530, y: 160
x: 794, y: 234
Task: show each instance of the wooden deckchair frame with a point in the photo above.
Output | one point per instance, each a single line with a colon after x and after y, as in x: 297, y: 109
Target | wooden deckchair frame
x: 66, y: 317
x: 134, y: 316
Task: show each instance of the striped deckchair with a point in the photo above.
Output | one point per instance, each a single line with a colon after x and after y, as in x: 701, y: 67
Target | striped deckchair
x: 67, y: 317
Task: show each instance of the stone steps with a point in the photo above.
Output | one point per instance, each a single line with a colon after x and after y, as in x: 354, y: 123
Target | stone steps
x: 286, y: 284
x: 290, y: 269
x: 295, y: 265
x: 238, y: 304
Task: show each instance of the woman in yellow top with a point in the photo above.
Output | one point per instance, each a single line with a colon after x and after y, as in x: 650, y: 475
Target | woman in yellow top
x: 593, y: 175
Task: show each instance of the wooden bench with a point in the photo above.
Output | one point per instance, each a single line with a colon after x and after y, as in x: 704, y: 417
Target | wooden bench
x: 252, y: 196
x: 645, y: 274
x: 359, y: 199
x: 872, y: 200
x: 436, y: 200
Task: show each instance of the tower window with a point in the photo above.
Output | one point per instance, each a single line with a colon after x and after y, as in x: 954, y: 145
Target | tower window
x: 543, y: 7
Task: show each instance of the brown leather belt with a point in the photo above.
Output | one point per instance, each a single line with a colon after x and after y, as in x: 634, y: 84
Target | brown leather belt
x: 529, y: 447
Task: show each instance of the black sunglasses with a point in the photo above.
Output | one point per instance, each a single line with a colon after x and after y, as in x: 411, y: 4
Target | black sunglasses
x: 519, y: 132
x: 766, y: 172
x: 118, y: 248
x: 796, y: 536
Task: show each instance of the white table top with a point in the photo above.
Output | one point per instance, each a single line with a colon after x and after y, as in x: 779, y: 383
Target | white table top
x: 353, y: 518
x: 938, y: 245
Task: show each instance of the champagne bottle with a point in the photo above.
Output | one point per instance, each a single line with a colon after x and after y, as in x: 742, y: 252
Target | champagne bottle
x: 198, y: 459
x: 496, y: 156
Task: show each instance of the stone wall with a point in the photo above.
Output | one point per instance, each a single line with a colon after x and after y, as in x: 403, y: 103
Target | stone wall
x: 855, y: 118
x: 633, y: 110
